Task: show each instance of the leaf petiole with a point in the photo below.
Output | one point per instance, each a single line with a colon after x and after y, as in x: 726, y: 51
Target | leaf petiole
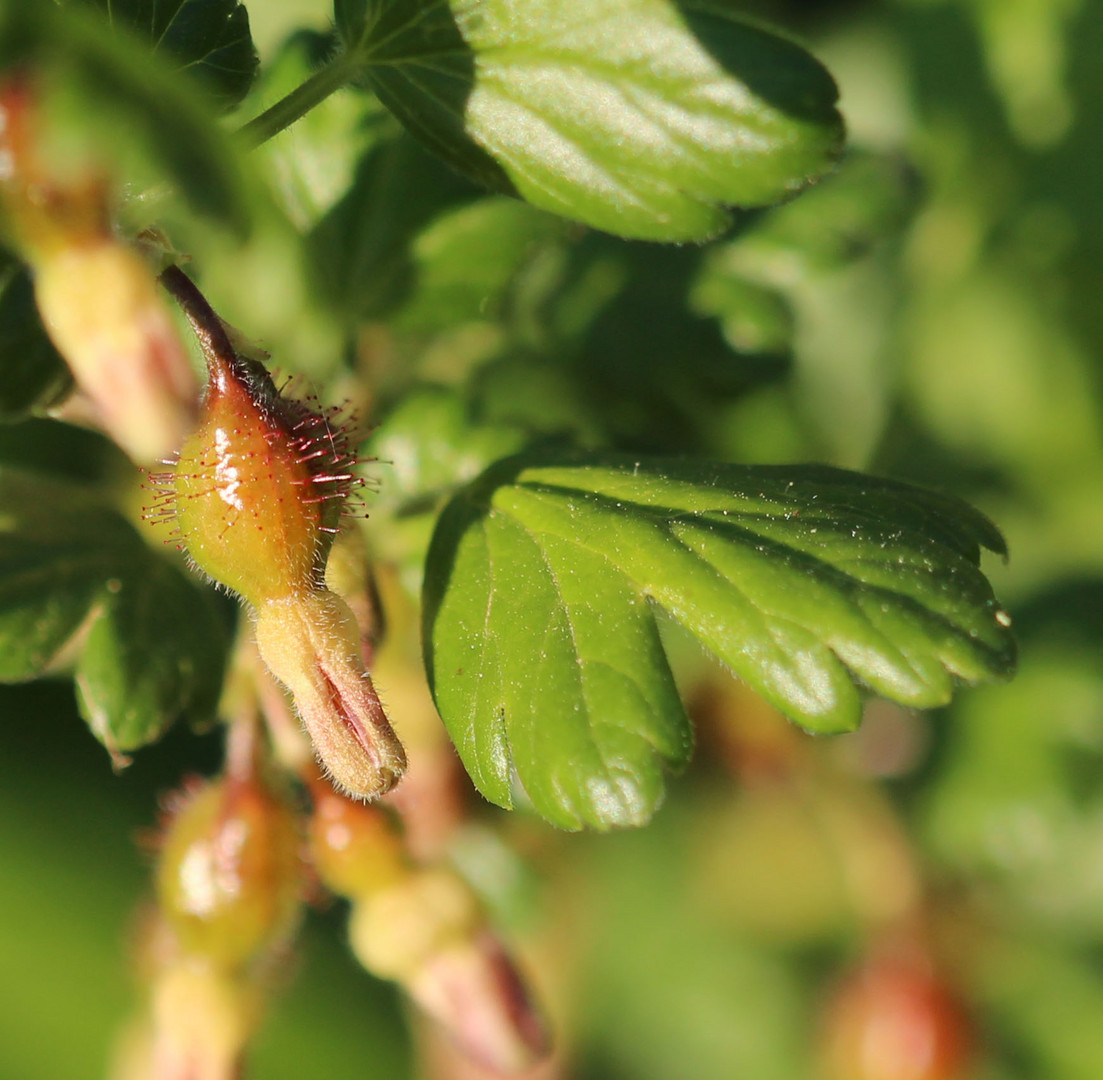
x: 337, y: 73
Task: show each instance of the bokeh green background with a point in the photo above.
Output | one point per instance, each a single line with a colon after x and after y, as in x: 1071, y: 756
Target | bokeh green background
x: 934, y: 313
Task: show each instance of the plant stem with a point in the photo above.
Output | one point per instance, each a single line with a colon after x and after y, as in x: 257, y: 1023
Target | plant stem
x: 298, y: 103
x: 207, y: 325
x: 242, y: 746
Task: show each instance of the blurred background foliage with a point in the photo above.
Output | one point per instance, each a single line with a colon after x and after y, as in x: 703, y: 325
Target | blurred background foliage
x: 931, y: 312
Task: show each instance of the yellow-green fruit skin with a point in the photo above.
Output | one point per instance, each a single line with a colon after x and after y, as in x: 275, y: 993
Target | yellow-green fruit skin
x: 245, y: 503
x: 354, y: 848
x: 229, y: 877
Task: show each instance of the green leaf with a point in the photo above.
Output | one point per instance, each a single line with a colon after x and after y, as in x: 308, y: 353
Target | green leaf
x: 75, y: 575
x: 433, y: 445
x: 540, y: 640
x: 466, y: 260
x: 31, y: 371
x: 645, y: 118
x: 208, y: 38
x: 51, y: 446
x: 362, y: 245
x: 867, y: 202
x: 110, y: 102
x: 149, y: 657
x: 349, y: 17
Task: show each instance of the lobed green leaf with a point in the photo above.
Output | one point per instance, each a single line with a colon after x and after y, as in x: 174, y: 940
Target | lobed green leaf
x: 362, y: 244
x: 540, y: 639
x: 75, y: 576
x: 646, y: 118
x: 207, y: 38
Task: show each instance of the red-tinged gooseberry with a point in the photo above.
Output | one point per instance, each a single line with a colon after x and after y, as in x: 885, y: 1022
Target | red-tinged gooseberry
x: 894, y: 1019
x: 257, y: 494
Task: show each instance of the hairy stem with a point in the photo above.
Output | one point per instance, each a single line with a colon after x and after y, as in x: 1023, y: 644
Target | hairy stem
x: 298, y: 103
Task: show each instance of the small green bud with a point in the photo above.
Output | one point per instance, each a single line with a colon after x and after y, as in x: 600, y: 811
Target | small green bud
x: 355, y: 849
x: 429, y: 935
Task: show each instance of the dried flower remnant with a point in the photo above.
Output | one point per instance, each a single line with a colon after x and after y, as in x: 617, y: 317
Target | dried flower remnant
x: 97, y: 296
x: 257, y: 494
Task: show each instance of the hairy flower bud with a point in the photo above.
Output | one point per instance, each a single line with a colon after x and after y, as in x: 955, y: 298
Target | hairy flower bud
x: 474, y: 991
x: 312, y: 645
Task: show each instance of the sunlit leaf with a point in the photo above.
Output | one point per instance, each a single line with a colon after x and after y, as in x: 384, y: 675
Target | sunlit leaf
x: 646, y: 118
x: 540, y: 637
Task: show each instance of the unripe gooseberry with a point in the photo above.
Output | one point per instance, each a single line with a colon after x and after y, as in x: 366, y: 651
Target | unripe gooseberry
x: 356, y: 849
x: 259, y: 485
x: 229, y: 874
x: 429, y: 935
x: 257, y: 493
x: 393, y: 933
x: 97, y: 296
